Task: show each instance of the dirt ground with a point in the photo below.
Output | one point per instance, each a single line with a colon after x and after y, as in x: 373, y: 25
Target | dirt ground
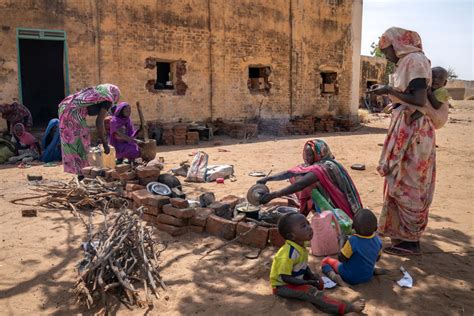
x: 38, y: 255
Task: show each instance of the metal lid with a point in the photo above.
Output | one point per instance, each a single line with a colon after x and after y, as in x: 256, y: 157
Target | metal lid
x: 256, y: 192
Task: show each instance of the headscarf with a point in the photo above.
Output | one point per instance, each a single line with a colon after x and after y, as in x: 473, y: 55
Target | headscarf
x: 320, y: 150
x: 118, y: 122
x: 403, y: 41
x: 25, y: 138
x: 413, y: 63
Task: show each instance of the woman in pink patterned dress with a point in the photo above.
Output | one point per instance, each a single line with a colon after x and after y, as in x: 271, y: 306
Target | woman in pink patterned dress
x: 408, y: 156
x: 73, y: 110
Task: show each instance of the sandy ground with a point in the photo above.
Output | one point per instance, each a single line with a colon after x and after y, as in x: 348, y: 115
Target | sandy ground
x: 38, y: 255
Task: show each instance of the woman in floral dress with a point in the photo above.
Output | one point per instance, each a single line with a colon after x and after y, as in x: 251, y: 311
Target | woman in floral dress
x: 73, y: 110
x: 408, y: 156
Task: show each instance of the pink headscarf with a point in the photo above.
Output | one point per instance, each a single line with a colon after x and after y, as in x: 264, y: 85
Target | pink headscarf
x: 25, y: 138
x: 403, y: 41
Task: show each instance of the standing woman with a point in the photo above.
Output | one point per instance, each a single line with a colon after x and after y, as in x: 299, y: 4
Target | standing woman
x: 74, y: 133
x: 408, y: 157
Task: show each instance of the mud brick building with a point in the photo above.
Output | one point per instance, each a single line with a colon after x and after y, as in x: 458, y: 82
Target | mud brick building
x: 189, y: 60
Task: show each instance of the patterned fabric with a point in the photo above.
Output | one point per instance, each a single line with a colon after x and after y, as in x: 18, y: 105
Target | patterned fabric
x: 320, y: 150
x: 403, y: 41
x: 123, y: 149
x: 408, y: 164
x: 17, y: 113
x: 75, y: 138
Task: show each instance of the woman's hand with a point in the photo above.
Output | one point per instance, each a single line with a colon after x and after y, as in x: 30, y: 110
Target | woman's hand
x: 379, y: 89
x: 106, y: 148
x: 267, y: 197
x: 262, y: 180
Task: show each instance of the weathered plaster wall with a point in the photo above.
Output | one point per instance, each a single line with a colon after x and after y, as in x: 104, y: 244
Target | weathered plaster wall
x: 371, y: 69
x: 110, y: 41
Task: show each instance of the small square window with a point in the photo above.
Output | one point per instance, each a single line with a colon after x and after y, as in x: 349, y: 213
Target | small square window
x: 258, y: 79
x: 164, y: 76
x: 329, y: 85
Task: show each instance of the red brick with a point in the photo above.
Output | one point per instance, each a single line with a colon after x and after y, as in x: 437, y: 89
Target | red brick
x: 195, y: 229
x: 133, y: 187
x: 200, y: 216
x: 172, y: 230
x: 152, y: 210
x: 157, y: 200
x: 149, y: 218
x: 178, y: 212
x: 145, y: 181
x: 122, y: 168
x: 256, y: 238
x: 171, y: 220
x: 179, y: 203
x: 131, y: 182
x: 140, y: 196
x: 232, y: 200
x: 129, y: 175
x: 275, y: 239
x: 114, y: 174
x: 86, y: 170
x: 220, y: 227
x: 222, y: 209
x: 147, y: 172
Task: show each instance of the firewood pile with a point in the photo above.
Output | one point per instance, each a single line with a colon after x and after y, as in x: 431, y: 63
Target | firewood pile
x: 121, y: 261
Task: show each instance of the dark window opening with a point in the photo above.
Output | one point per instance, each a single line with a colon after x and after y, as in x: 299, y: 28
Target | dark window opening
x: 42, y: 78
x: 258, y: 79
x: 164, y: 76
x: 329, y: 85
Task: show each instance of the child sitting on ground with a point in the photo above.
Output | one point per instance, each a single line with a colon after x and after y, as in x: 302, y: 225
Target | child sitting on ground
x: 290, y: 275
x: 357, y: 257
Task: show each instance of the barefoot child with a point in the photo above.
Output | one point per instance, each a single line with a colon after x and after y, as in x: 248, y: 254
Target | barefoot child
x: 290, y: 275
x: 357, y: 258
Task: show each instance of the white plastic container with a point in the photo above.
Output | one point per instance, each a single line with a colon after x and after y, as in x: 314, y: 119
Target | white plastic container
x: 97, y: 157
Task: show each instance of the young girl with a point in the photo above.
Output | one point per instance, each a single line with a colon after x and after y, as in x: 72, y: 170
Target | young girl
x: 122, y: 134
x: 26, y: 144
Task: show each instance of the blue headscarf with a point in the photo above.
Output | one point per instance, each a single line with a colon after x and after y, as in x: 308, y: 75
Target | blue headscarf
x: 52, y: 150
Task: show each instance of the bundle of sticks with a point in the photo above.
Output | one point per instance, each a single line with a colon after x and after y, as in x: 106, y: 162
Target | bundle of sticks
x: 87, y: 195
x: 118, y: 260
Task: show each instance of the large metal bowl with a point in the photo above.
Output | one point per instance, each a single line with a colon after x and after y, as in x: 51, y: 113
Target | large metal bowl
x: 158, y: 188
x: 256, y: 192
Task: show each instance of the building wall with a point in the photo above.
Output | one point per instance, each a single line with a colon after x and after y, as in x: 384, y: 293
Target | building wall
x: 371, y: 69
x: 461, y: 89
x: 111, y: 41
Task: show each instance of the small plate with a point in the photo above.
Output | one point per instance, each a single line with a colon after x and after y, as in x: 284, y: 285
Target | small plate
x: 158, y: 188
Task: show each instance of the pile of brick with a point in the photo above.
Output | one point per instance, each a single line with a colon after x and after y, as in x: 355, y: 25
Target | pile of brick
x: 140, y: 175
x: 168, y: 136
x: 301, y: 126
x: 325, y: 124
x: 344, y: 124
x: 192, y: 138
x: 237, y: 129
x: 180, y: 131
x: 178, y: 134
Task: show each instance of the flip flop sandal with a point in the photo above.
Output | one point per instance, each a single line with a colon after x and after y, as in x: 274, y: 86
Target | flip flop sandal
x: 398, y: 251
x: 24, y: 165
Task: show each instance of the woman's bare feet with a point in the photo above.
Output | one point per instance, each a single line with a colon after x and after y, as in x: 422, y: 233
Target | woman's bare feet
x: 356, y: 307
x: 337, y: 278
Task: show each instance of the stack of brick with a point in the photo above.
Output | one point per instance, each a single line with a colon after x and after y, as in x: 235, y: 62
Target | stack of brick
x: 147, y: 174
x: 301, y: 126
x: 325, y: 124
x: 168, y: 136
x: 343, y: 124
x: 237, y: 129
x: 192, y: 138
x: 180, y: 133
x: 152, y: 204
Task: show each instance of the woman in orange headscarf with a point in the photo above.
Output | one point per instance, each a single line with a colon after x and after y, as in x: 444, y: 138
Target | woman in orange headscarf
x: 408, y: 157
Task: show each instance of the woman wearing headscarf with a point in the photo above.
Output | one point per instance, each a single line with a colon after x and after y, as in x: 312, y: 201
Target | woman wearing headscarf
x: 122, y: 133
x: 51, y: 142
x: 408, y: 157
x: 15, y: 113
x: 319, y: 171
x: 74, y: 133
x: 26, y: 145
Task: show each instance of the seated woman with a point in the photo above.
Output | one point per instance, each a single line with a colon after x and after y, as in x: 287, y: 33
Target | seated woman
x: 319, y: 171
x: 26, y: 145
x: 122, y: 134
x: 51, y: 142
